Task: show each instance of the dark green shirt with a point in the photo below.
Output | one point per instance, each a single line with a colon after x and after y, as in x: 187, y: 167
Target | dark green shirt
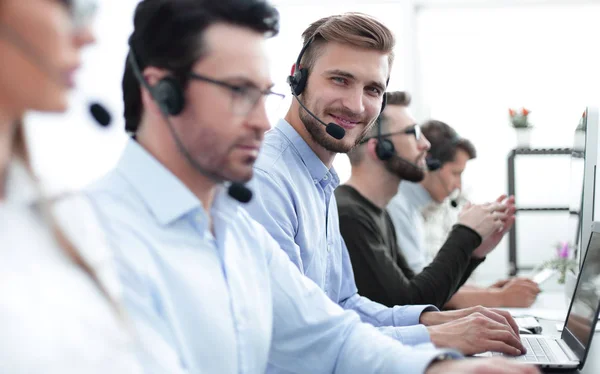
x: 382, y: 273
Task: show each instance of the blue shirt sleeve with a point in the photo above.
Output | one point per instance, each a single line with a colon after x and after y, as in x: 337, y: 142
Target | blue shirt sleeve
x: 273, y: 209
x: 314, y: 335
x: 380, y: 315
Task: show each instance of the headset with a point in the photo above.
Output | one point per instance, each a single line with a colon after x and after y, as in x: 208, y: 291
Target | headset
x: 384, y: 149
x: 169, y: 95
x: 297, y: 81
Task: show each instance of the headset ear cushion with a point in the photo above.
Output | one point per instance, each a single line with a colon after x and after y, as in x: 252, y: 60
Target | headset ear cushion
x: 383, y: 103
x: 169, y: 95
x: 298, y: 81
x: 384, y: 149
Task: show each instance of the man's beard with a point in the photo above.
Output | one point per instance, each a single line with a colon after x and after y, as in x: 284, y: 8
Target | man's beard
x: 322, y: 138
x: 405, y: 170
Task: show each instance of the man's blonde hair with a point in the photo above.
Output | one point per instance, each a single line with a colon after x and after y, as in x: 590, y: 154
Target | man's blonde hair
x: 353, y: 29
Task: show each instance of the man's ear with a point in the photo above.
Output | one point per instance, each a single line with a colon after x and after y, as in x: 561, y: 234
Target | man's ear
x: 152, y: 75
x: 370, y: 148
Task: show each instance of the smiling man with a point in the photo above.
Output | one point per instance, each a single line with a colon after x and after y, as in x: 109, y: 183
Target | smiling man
x: 338, y: 83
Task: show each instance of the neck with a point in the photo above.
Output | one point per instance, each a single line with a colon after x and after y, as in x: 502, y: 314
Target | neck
x: 162, y: 146
x: 7, y: 134
x: 427, y: 183
x: 293, y: 118
x: 377, y: 186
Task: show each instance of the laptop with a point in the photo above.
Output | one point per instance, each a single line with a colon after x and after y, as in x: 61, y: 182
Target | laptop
x: 571, y: 349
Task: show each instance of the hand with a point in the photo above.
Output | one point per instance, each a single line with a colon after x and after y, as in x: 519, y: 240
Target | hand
x: 508, y: 220
x: 476, y: 334
x: 496, y: 365
x: 484, y: 219
x: 501, y: 283
x: 500, y: 316
x: 518, y: 293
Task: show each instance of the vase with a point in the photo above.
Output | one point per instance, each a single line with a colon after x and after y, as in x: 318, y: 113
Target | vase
x: 523, y: 137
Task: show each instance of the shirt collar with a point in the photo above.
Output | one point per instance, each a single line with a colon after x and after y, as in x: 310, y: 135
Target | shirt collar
x: 317, y: 169
x: 165, y: 195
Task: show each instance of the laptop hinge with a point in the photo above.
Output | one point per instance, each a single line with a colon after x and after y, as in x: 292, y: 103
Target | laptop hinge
x: 568, y: 351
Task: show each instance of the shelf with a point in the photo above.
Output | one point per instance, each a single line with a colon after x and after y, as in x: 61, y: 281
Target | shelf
x: 547, y: 209
x: 512, y: 235
x: 541, y: 151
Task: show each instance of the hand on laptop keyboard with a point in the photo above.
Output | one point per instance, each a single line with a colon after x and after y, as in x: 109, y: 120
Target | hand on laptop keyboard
x: 476, y: 334
x: 500, y: 316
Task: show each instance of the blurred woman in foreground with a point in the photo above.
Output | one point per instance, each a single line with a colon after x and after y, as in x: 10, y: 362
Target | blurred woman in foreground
x: 59, y: 310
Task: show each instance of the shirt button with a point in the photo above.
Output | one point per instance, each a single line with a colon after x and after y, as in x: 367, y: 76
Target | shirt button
x: 328, y: 248
x: 325, y: 177
x: 315, y: 181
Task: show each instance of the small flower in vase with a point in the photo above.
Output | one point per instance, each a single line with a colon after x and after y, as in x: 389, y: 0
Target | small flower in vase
x: 520, y: 118
x: 563, y: 261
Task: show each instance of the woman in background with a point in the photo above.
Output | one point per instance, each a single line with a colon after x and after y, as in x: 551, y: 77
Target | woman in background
x: 59, y: 308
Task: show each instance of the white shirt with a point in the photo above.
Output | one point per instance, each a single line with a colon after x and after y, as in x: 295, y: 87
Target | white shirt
x: 53, y: 318
x: 405, y: 210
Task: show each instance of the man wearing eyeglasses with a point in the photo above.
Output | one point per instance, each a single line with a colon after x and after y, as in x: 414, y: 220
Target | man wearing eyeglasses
x: 395, y: 151
x: 207, y: 288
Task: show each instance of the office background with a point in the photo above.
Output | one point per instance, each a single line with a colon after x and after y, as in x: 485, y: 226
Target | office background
x: 465, y: 62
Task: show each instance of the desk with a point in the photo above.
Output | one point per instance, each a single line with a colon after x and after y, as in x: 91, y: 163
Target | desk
x: 550, y: 306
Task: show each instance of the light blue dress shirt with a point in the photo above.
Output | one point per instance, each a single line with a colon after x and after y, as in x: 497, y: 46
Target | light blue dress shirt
x: 228, y: 303
x: 294, y: 201
x: 405, y: 209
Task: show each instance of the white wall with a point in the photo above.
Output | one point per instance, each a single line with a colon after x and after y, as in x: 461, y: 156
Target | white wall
x: 476, y: 63
x: 464, y: 65
x: 70, y: 150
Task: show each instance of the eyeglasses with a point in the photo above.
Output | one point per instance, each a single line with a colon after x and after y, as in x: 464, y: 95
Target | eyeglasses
x: 413, y: 130
x: 245, y: 98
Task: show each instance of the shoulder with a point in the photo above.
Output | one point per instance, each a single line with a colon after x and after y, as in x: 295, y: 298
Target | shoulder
x: 349, y: 207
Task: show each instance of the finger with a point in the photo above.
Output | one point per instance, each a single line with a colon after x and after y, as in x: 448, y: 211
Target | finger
x: 506, y: 318
x: 498, y: 346
x: 508, y: 338
x: 501, y: 198
x: 499, y: 216
x: 494, y: 207
x: 508, y: 224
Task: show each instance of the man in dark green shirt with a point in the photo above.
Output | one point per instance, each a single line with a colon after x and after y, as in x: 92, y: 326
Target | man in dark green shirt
x: 392, y: 152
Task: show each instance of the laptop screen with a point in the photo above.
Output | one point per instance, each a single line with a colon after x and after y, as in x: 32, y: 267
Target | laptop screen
x: 581, y: 318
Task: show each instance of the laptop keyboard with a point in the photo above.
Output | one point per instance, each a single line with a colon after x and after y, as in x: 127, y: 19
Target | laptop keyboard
x: 537, y: 351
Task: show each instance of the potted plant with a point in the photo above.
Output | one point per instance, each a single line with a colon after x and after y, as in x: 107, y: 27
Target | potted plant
x: 563, y: 263
x: 520, y: 122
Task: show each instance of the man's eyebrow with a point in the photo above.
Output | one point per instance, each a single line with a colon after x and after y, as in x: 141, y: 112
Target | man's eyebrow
x: 345, y: 74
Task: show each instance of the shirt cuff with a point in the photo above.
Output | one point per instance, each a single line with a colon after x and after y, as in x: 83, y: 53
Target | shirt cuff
x: 408, y: 315
x: 412, y: 335
x: 420, y: 359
